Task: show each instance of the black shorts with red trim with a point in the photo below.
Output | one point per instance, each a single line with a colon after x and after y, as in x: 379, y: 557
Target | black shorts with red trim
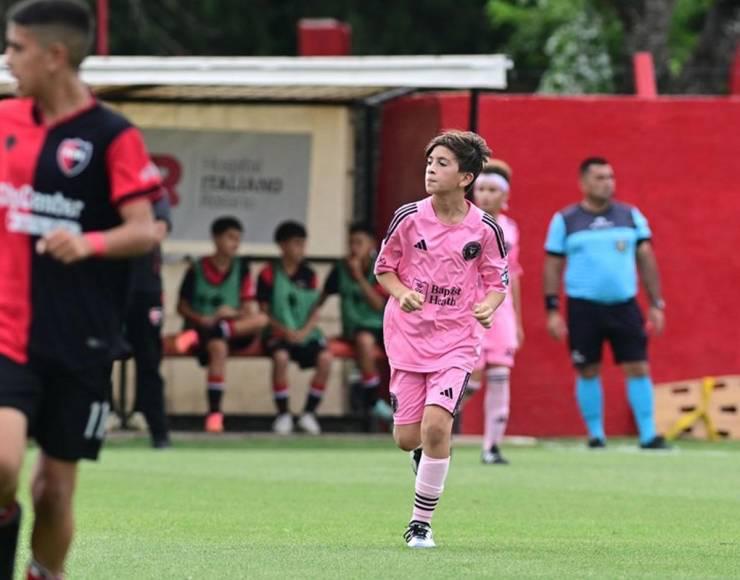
x: 235, y: 344
x: 66, y: 409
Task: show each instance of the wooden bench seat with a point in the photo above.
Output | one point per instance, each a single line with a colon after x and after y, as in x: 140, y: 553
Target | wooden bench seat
x: 339, y: 348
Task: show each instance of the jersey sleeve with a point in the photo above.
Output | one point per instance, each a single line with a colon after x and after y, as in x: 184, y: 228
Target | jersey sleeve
x: 264, y: 284
x: 331, y: 285
x: 312, y: 280
x: 494, y: 265
x: 555, y: 242
x: 391, y: 250
x: 641, y: 225
x: 161, y: 208
x: 131, y: 172
x: 187, y: 287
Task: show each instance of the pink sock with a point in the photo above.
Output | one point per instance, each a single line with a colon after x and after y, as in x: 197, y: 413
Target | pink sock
x: 496, y: 406
x: 430, y: 481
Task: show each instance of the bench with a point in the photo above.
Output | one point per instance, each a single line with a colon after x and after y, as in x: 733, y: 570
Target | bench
x: 183, y: 344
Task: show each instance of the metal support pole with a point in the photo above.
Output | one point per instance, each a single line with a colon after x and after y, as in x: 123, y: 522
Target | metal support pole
x: 474, y: 107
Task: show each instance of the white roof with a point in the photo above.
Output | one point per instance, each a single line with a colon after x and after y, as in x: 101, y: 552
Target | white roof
x: 284, y: 78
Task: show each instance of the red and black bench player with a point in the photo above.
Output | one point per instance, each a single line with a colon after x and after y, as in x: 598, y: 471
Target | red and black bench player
x: 76, y: 185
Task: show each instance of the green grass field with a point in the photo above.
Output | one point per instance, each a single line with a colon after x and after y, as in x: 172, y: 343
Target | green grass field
x: 336, y: 508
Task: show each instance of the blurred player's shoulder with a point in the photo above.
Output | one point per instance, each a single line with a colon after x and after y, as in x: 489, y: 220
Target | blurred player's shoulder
x: 111, y: 119
x: 18, y: 110
x: 571, y: 210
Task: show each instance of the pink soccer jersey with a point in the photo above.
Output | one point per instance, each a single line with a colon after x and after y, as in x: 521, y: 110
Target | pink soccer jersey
x: 500, y: 342
x: 447, y: 264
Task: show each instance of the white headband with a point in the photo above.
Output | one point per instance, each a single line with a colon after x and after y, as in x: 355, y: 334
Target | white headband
x: 495, y: 179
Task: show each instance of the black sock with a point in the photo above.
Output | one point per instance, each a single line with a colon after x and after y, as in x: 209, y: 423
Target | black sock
x: 10, y: 522
x: 214, y: 400
x: 282, y: 405
x: 311, y: 403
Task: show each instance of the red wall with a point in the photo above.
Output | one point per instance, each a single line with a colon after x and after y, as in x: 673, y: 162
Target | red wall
x: 674, y: 158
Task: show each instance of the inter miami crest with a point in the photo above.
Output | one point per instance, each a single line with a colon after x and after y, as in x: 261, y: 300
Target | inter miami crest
x: 73, y: 156
x: 471, y: 251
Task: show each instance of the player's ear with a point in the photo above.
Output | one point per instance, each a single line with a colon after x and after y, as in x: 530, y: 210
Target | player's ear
x: 467, y: 179
x: 57, y: 56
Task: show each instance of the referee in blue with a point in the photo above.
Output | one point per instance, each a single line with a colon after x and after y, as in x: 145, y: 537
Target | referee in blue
x: 601, y: 245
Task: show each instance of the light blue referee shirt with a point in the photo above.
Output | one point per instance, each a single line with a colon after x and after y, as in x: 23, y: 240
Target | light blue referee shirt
x: 600, y: 250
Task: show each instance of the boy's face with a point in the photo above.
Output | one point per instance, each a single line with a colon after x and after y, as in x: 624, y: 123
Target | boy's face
x: 489, y: 197
x: 361, y: 245
x: 227, y: 243
x: 293, y: 249
x: 27, y: 59
x: 443, y: 172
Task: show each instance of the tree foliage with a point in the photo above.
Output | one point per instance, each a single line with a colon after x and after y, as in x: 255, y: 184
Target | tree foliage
x: 557, y: 45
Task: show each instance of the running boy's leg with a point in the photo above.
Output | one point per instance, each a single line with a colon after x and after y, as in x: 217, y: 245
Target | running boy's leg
x: 52, y: 489
x: 13, y: 426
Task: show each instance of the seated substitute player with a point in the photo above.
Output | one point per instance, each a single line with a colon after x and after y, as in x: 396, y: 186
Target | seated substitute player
x: 500, y: 343
x: 76, y: 185
x: 217, y: 300
x: 287, y: 291
x: 436, y: 253
x: 362, y: 301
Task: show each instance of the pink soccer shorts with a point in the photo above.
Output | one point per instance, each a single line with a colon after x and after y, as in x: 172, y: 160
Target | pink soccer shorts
x: 411, y: 392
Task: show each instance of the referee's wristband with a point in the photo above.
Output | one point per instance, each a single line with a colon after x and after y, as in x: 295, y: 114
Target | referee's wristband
x: 552, y: 302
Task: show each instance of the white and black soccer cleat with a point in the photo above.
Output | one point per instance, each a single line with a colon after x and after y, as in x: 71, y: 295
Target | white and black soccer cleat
x: 493, y: 457
x: 419, y: 535
x: 415, y: 460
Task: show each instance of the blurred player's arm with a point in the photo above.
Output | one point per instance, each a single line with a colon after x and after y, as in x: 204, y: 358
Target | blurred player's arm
x: 373, y: 297
x: 516, y: 297
x: 137, y: 235
x: 553, y: 273
x: 493, y: 268
x: 556, y: 248
x: 647, y: 266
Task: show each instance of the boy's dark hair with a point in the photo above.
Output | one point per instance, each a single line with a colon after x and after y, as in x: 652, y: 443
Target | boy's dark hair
x: 590, y: 161
x: 224, y: 224
x: 67, y: 21
x: 469, y: 148
x: 289, y: 230
x: 362, y: 228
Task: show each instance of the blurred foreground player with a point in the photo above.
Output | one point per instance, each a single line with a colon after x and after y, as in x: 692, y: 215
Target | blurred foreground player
x: 75, y: 183
x: 434, y: 256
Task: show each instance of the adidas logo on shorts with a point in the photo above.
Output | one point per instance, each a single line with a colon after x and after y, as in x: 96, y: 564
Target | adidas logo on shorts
x: 448, y: 392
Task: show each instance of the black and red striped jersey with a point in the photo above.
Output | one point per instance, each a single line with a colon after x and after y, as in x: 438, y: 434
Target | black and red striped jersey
x: 73, y: 174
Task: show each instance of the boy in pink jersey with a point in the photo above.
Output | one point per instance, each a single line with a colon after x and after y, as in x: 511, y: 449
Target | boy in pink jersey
x: 500, y: 343
x: 435, y: 256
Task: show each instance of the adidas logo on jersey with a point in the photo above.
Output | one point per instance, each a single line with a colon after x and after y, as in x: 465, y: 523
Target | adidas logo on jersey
x: 421, y: 245
x: 448, y: 392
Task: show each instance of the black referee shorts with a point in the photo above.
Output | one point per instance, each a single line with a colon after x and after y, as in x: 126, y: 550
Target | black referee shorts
x: 66, y: 409
x: 591, y: 323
